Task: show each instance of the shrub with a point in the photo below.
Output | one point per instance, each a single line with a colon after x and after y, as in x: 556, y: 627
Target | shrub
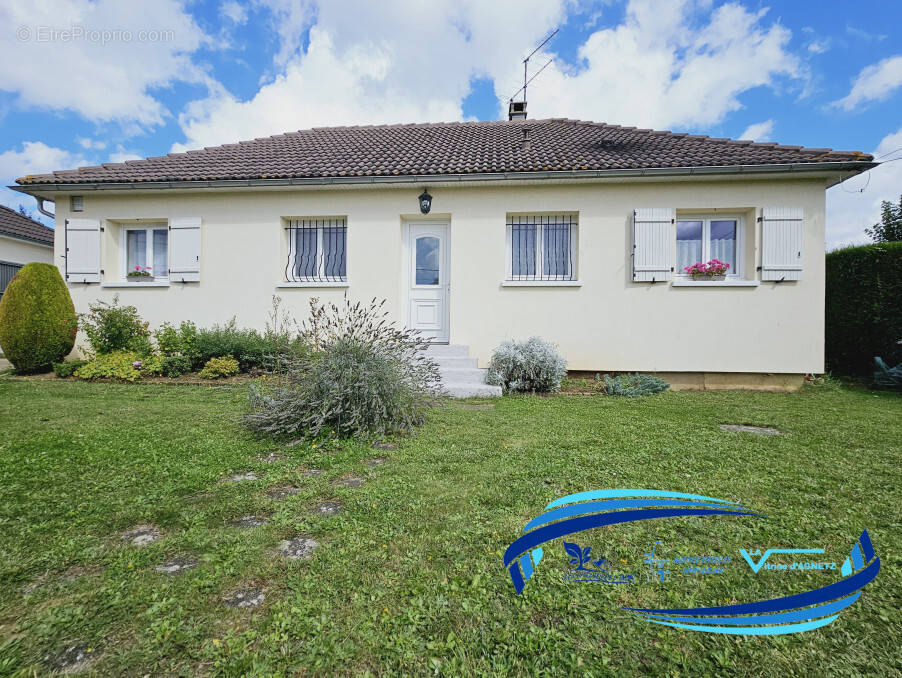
x: 633, y: 385
x: 37, y: 319
x: 67, y: 369
x: 123, y: 365
x: 245, y: 345
x: 175, y: 365
x: 111, y: 327
x: 224, y: 366
x: 527, y: 366
x: 176, y: 341
x: 150, y: 365
x: 863, y: 313
x: 363, y: 376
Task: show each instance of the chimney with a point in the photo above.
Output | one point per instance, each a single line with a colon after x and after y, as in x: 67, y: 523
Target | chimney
x: 516, y: 110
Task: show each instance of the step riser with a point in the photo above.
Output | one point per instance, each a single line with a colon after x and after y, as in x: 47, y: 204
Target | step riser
x: 455, y: 363
x: 466, y: 375
x: 472, y: 390
x: 448, y: 351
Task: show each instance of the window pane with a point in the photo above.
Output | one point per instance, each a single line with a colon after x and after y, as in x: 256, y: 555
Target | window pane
x: 723, y: 242
x: 334, y: 238
x: 523, y: 250
x: 305, y: 253
x: 557, y: 251
x: 160, y: 266
x: 427, y: 262
x: 689, y: 244
x: 136, y: 249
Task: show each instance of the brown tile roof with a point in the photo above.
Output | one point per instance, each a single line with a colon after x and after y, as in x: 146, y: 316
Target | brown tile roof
x: 447, y: 148
x: 19, y: 226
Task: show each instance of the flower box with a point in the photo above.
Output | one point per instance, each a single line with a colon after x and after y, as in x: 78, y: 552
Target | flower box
x: 713, y: 270
x: 139, y: 278
x: 702, y: 277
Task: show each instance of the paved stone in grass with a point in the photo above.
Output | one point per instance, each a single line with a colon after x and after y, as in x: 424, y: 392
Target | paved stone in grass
x: 298, y: 548
x: 142, y: 535
x: 761, y: 430
x: 271, y: 458
x: 312, y: 472
x: 475, y: 406
x: 242, y: 477
x: 329, y: 508
x: 282, y: 492
x: 373, y: 463
x: 249, y: 521
x: 245, y: 598
x: 353, y: 481
x: 385, y: 446
x: 73, y: 659
x: 177, y: 565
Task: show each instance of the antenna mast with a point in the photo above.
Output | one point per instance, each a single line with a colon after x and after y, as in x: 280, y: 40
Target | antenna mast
x: 526, y: 78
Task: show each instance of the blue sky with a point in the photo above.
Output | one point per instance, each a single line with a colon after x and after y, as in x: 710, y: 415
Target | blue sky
x: 131, y: 80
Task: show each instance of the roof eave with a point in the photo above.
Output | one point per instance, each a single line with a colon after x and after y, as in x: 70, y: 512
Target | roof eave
x: 852, y: 166
x: 23, y: 238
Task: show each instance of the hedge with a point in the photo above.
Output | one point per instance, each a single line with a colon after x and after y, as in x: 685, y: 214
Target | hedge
x: 863, y: 307
x: 37, y: 319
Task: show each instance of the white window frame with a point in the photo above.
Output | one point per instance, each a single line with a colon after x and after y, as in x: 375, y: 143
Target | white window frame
x: 539, y: 277
x: 123, y: 247
x: 734, y: 272
x: 321, y: 279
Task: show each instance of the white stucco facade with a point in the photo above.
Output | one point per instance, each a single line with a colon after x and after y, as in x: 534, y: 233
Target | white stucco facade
x: 602, y: 321
x: 18, y: 251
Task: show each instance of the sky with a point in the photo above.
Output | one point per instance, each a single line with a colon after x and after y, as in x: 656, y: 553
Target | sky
x: 93, y: 81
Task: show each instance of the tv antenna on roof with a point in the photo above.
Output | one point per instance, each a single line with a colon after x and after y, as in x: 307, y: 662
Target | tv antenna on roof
x: 518, y: 109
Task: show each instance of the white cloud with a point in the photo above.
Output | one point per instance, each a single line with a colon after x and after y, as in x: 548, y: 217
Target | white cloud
x: 35, y: 157
x: 235, y: 12
x: 819, y: 46
x: 104, y: 63
x: 404, y: 61
x: 89, y: 144
x: 759, y: 131
x: 874, y: 83
x: 661, y: 68
x: 850, y: 210
x: 122, y: 155
x: 409, y: 61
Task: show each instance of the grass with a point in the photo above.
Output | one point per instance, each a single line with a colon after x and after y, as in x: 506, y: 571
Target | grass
x: 408, y: 579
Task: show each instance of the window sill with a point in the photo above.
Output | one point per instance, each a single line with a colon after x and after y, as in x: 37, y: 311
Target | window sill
x: 541, y: 283
x: 155, y: 283
x: 326, y: 283
x: 716, y: 283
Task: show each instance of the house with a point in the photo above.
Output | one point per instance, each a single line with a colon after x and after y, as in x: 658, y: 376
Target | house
x: 474, y: 232
x: 22, y: 240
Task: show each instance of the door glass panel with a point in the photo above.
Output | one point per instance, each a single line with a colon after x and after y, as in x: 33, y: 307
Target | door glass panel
x: 689, y: 244
x: 723, y: 242
x: 427, y: 260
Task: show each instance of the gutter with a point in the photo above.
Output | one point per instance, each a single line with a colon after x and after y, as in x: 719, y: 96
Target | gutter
x: 853, y: 167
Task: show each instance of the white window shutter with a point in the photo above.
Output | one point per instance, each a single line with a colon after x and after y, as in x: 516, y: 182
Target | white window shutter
x: 184, y: 249
x: 781, y: 243
x: 83, y: 250
x: 652, y: 246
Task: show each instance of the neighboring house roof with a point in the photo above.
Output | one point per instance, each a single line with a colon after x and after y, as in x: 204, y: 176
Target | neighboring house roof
x: 448, y: 149
x: 15, y: 225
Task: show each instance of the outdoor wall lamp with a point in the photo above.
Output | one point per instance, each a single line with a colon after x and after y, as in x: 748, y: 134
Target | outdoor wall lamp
x: 425, y: 201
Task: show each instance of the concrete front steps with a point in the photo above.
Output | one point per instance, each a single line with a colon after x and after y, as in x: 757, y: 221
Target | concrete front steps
x: 461, y: 378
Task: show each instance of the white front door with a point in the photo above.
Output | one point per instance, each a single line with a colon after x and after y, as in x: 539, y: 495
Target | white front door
x: 428, y: 283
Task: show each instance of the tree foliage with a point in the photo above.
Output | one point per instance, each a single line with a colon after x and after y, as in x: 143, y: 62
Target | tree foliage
x: 890, y: 227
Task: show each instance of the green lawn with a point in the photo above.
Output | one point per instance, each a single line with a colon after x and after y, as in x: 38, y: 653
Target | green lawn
x: 408, y: 579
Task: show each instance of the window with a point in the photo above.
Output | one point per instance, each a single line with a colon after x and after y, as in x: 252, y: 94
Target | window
x: 147, y: 246
x: 701, y: 239
x: 317, y: 250
x: 541, y: 247
x: 77, y: 203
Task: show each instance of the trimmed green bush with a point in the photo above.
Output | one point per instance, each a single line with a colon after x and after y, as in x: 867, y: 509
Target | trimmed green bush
x: 123, y: 365
x: 863, y: 307
x: 176, y: 341
x: 175, y: 365
x: 224, y: 366
x: 37, y: 319
x: 111, y: 327
x: 67, y: 369
x: 633, y: 385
